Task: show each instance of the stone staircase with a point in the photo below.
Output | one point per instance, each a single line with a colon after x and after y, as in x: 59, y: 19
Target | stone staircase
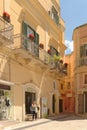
x: 28, y: 117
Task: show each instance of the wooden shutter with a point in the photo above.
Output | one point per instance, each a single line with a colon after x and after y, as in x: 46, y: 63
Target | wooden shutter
x: 24, y: 33
x: 82, y: 51
x: 36, y: 40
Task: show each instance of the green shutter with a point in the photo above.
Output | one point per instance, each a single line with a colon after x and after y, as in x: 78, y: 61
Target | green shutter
x: 36, y: 40
x: 82, y: 51
x: 57, y: 19
x: 24, y: 28
x: 85, y: 47
x: 24, y: 32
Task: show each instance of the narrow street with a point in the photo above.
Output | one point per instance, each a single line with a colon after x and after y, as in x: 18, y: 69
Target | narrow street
x: 64, y: 123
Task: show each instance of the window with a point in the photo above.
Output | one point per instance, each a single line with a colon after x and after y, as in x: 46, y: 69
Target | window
x: 26, y: 31
x: 55, y: 16
x: 68, y: 85
x: 54, y: 85
x: 85, y: 46
x: 85, y: 79
x: 61, y: 86
x: 83, y: 50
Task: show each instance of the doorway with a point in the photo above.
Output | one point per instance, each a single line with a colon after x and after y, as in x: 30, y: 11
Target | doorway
x: 53, y: 103
x: 86, y: 102
x: 29, y: 98
x: 80, y: 103
x: 60, y: 105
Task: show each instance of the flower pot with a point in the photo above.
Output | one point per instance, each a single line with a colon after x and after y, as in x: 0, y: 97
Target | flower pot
x: 49, y: 51
x: 6, y: 16
x: 61, y: 61
x: 41, y: 45
x: 31, y: 37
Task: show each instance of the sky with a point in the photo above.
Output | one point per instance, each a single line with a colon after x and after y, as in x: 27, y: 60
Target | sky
x: 74, y: 14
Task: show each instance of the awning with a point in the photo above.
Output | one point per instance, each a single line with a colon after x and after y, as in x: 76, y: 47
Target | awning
x: 6, y: 82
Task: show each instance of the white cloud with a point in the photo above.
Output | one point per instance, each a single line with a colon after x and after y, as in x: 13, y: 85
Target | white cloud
x: 69, y: 45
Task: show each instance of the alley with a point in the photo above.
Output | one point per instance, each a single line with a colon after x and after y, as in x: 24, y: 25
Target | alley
x: 63, y: 123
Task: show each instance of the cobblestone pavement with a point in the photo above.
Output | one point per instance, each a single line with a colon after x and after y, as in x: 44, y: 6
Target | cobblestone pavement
x: 70, y: 122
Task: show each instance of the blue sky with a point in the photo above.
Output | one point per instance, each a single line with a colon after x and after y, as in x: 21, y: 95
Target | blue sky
x: 74, y: 13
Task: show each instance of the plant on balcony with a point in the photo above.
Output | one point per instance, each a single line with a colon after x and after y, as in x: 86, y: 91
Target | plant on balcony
x: 41, y: 45
x: 61, y: 61
x: 56, y: 57
x: 31, y: 37
x: 65, y: 65
x: 49, y: 51
x: 6, y: 16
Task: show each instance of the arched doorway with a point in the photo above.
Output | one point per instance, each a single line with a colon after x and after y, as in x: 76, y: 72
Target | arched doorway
x: 31, y: 93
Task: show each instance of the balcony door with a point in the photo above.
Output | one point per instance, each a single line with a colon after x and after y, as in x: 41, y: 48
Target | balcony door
x: 33, y: 47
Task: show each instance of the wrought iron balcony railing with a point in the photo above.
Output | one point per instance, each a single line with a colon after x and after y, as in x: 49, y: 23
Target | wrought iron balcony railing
x: 6, y: 29
x: 41, y: 54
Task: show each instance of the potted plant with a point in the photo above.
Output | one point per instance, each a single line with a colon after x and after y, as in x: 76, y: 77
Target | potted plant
x: 56, y: 58
x: 41, y: 45
x: 49, y: 51
x: 65, y: 65
x: 61, y: 61
x: 31, y: 37
x: 6, y: 16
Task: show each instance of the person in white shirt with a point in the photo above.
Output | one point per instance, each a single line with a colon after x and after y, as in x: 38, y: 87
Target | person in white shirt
x: 33, y: 109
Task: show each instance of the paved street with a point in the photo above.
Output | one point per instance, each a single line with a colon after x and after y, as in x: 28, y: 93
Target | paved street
x: 63, y: 123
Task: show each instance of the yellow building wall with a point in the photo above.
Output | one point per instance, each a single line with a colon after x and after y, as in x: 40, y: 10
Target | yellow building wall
x: 22, y: 73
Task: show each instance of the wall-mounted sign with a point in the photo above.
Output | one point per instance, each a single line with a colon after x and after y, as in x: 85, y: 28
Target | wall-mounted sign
x: 44, y: 106
x: 6, y: 87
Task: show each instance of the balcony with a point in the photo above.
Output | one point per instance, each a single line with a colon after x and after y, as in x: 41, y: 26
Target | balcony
x: 27, y: 49
x: 6, y: 32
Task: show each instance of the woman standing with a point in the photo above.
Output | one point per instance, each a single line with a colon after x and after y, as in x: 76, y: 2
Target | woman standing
x: 34, y: 110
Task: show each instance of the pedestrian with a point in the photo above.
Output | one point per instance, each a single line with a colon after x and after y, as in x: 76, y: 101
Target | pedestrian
x: 33, y: 109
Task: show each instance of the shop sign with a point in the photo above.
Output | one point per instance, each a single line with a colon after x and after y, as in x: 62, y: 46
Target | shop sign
x: 6, y: 87
x: 44, y: 107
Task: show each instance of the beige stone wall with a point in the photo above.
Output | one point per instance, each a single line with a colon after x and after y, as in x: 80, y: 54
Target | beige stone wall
x: 28, y: 72
x: 79, y: 38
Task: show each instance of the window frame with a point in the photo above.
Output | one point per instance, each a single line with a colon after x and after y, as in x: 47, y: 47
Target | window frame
x: 85, y: 79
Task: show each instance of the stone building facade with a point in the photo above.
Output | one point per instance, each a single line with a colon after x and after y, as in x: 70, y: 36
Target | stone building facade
x: 80, y: 68
x: 32, y: 58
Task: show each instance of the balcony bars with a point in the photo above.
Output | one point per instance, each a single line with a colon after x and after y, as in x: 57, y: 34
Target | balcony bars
x: 39, y: 53
x: 6, y: 29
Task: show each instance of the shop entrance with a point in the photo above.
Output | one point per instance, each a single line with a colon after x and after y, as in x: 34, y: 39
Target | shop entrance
x: 5, y: 103
x: 29, y: 98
